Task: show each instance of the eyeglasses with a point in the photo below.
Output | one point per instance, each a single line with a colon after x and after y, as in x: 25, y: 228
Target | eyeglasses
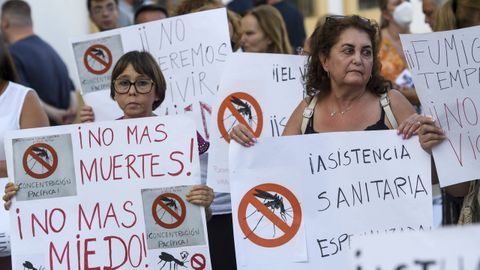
x: 142, y: 86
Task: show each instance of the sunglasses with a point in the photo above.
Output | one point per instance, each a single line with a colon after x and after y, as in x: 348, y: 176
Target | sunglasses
x: 331, y: 18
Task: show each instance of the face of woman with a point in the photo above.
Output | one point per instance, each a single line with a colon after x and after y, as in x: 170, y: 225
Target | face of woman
x: 351, y: 59
x: 133, y: 103
x: 253, y: 38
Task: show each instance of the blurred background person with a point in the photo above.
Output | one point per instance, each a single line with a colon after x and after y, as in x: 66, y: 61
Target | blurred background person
x: 189, y: 6
x: 104, y: 14
x: 456, y: 14
x: 38, y: 65
x: 396, y: 17
x: 429, y: 8
x: 234, y: 27
x: 149, y: 11
x: 264, y: 31
x: 126, y: 11
x: 293, y: 19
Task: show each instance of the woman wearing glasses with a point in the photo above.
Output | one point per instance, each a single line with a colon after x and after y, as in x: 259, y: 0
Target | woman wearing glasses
x: 138, y: 87
x: 345, y: 86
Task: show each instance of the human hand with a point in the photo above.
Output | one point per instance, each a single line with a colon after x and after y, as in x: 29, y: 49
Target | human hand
x: 410, y: 126
x: 86, y: 114
x: 429, y: 134
x: 242, y: 135
x: 10, y: 191
x: 201, y: 195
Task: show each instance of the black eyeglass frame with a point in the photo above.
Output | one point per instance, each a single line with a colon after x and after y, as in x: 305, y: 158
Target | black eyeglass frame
x: 134, y: 86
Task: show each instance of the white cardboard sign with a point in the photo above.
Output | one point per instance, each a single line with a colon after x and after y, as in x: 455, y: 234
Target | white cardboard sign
x: 445, y: 69
x: 258, y: 90
x: 348, y: 185
x: 108, y: 194
x: 452, y: 248
x: 191, y: 51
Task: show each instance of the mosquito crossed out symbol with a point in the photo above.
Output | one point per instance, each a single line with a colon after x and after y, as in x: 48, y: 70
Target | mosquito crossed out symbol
x: 268, y: 200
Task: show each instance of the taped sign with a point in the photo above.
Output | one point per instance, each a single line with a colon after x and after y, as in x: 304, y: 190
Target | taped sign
x: 240, y: 108
x: 98, y: 59
x: 169, y: 210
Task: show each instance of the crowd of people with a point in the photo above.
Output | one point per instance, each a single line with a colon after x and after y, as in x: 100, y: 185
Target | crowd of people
x: 351, y: 80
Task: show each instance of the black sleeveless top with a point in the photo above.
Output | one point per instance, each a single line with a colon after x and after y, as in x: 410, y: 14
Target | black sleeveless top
x: 379, y: 125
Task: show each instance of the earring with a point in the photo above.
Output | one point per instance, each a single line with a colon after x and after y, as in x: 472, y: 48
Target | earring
x: 328, y: 74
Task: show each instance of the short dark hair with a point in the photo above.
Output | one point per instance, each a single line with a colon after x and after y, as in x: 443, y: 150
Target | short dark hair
x: 322, y: 41
x: 19, y: 12
x: 143, y: 63
x: 89, y: 3
x: 149, y: 7
x: 7, y: 68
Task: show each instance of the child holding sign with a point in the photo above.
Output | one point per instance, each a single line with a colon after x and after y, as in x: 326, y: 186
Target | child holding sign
x: 140, y: 70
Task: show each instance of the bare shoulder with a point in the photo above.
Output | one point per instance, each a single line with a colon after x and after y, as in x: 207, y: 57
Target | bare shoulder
x: 401, y: 107
x: 294, y: 123
x: 33, y: 114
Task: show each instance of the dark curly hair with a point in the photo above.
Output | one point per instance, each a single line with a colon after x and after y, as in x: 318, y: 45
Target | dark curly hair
x: 143, y: 63
x: 322, y: 41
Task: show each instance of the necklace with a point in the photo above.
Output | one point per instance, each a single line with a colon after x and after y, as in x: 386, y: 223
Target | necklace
x: 332, y: 114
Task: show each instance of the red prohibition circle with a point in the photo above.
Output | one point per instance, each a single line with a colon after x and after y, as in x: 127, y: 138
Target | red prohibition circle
x: 289, y: 230
x: 160, y: 203
x: 227, y: 104
x: 36, y: 151
x: 198, y: 261
x: 106, y: 64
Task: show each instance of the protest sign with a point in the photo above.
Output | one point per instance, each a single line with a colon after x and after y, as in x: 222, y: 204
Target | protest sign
x: 261, y: 98
x: 453, y: 248
x: 4, y: 227
x: 348, y: 184
x: 446, y: 72
x: 191, y: 62
x: 108, y: 195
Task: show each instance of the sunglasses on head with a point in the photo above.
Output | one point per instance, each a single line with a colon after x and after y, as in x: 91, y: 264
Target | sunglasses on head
x: 342, y: 17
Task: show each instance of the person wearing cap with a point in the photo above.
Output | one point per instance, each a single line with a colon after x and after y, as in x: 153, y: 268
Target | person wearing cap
x: 149, y: 11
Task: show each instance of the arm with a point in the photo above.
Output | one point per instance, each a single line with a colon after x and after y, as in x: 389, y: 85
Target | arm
x: 410, y: 94
x: 72, y: 108
x: 60, y: 116
x: 32, y: 116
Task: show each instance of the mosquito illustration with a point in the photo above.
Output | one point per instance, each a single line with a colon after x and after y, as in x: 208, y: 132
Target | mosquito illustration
x: 29, y: 266
x: 171, y: 203
x: 274, y: 202
x: 244, y: 109
x: 169, y: 258
x: 98, y: 52
x: 40, y: 152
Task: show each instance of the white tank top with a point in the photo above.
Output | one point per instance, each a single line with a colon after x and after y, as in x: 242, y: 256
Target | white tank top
x: 11, y: 104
